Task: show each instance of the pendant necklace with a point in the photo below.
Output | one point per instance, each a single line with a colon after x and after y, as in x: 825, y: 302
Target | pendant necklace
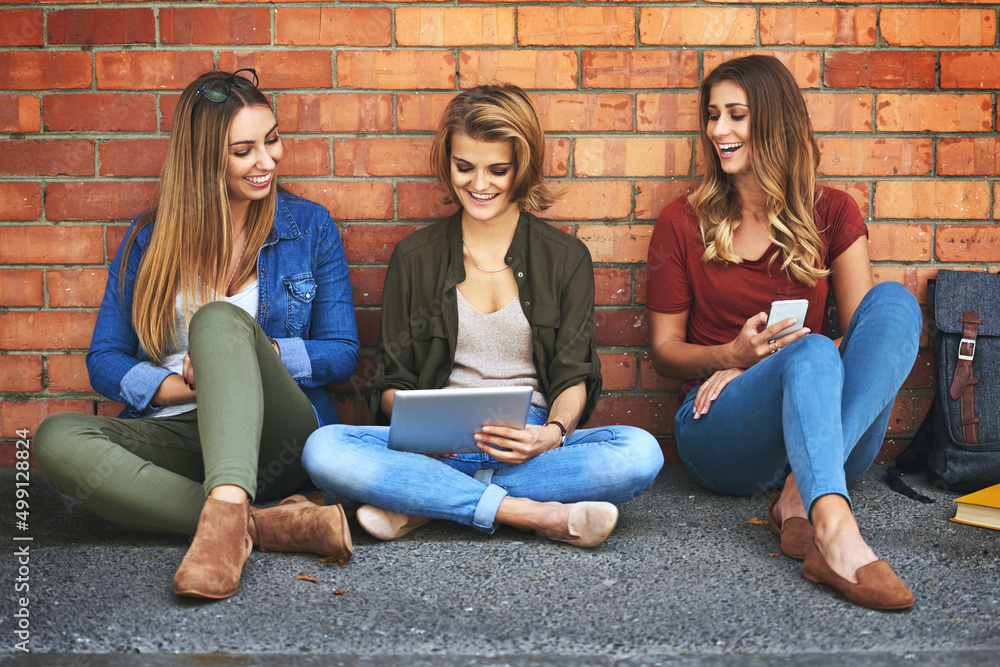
x: 236, y: 268
x: 503, y: 268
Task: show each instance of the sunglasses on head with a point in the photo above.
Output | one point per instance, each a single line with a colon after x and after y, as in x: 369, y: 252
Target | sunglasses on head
x: 217, y: 90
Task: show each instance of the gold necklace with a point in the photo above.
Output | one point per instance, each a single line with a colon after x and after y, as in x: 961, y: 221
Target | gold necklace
x: 236, y: 268
x: 504, y: 268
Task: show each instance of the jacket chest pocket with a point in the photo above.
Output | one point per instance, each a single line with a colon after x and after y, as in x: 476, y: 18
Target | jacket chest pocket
x: 300, y: 290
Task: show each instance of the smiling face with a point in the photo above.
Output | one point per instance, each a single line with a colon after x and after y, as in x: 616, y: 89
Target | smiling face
x: 728, y: 126
x: 254, y: 153
x: 482, y: 173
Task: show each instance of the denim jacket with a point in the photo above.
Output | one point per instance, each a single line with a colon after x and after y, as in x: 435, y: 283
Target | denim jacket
x: 305, y: 304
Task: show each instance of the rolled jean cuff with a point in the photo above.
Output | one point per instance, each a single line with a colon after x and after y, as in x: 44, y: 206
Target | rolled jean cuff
x: 484, y: 518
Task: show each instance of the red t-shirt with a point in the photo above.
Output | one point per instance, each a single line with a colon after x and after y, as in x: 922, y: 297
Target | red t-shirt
x: 720, y: 298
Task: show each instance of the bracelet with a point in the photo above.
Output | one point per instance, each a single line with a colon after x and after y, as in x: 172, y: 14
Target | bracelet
x: 562, y: 441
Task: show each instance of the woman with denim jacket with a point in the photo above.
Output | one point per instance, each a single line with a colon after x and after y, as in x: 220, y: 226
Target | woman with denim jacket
x: 227, y: 310
x: 491, y: 297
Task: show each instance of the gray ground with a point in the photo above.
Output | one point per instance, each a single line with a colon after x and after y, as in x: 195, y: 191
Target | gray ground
x: 688, y: 578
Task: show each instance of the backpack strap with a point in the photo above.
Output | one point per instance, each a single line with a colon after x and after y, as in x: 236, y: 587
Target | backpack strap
x: 964, y: 383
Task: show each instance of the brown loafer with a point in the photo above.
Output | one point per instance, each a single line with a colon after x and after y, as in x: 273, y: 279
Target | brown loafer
x: 878, y: 586
x: 795, y: 532
x: 589, y: 523
x: 387, y: 525
x: 214, y: 562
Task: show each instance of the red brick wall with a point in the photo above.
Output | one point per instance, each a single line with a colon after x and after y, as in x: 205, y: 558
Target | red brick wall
x: 902, y: 94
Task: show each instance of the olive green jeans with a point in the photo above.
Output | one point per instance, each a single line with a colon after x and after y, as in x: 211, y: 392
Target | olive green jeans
x: 153, y: 474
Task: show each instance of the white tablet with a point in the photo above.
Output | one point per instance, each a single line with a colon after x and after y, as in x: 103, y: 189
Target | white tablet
x: 443, y: 421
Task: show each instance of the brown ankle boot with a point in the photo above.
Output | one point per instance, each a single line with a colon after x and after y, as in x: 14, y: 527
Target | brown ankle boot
x: 297, y: 524
x: 214, y: 562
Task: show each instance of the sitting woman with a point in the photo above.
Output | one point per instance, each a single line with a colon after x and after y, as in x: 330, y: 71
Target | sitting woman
x: 491, y: 272
x: 756, y: 230
x: 227, y: 310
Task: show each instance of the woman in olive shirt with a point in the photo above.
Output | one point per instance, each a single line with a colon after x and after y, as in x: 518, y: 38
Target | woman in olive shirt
x: 491, y: 272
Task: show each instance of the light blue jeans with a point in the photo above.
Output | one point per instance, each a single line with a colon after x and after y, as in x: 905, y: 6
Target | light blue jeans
x: 821, y: 410
x: 609, y: 463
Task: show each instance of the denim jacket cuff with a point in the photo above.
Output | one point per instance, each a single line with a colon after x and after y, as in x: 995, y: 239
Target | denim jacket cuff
x: 140, y: 384
x: 295, y: 358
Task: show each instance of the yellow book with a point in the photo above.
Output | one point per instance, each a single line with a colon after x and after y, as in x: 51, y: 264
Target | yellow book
x: 981, y: 508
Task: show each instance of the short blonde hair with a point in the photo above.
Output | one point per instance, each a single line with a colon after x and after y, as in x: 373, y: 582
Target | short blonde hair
x: 499, y: 112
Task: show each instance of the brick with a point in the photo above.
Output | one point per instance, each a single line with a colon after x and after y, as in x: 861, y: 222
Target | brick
x: 353, y: 412
x: 965, y: 69
x: 102, y: 26
x: 620, y: 327
x: 934, y: 113
x: 901, y: 419
x: 697, y: 26
x: 15, y: 416
x: 373, y: 243
x: 659, y: 156
x: 109, y: 408
x: 382, y: 157
x: 46, y: 330
x: 880, y: 69
x: 168, y: 105
x: 651, y: 197
x: 114, y: 235
x: 576, y: 26
x: 24, y: 70
x: 967, y: 243
x: 564, y: 112
x: 94, y: 112
x: 123, y: 70
x: 964, y: 200
x: 640, y: 69
x: 858, y: 190
x: 650, y: 379
x: 556, y: 157
x: 876, y: 157
x: 922, y: 374
x: 285, y: 68
x: 366, y: 200
x: 204, y: 25
x: 21, y: 287
x: 839, y: 112
x: 132, y: 157
x: 405, y: 70
x: 99, y: 201
x: 68, y: 372
x: 368, y: 323
x: 60, y: 157
x: 912, y: 26
x: 76, y: 287
x: 366, y: 284
x: 525, y: 68
x: 978, y: 156
x: 818, y: 26
x: 305, y: 157
x: 667, y: 112
x: 333, y: 26
x: 422, y: 200
x: 899, y: 242
x: 52, y: 244
x: 20, y: 201
x: 616, y: 243
x: 614, y: 286
x: 20, y: 372
x: 996, y: 201
x: 341, y: 112
x: 618, y: 371
x: 594, y: 200
x: 21, y: 27
x: 19, y: 113
x: 804, y: 65
x: 655, y: 415
x: 454, y: 26
x: 421, y: 111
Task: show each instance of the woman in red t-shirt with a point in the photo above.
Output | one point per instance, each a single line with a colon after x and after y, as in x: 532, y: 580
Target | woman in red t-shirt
x: 756, y: 230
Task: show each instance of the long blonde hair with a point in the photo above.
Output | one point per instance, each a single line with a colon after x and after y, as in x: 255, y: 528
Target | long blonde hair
x: 784, y: 157
x: 499, y: 112
x: 191, y: 244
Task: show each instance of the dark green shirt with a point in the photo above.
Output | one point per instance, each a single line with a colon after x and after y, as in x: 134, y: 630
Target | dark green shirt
x: 419, y: 330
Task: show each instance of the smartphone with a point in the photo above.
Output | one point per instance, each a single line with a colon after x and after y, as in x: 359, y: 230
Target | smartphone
x: 782, y: 310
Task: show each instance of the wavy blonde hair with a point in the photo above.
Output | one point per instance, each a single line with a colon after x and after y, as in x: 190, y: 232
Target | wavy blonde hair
x: 192, y: 241
x: 500, y: 112
x: 784, y: 157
